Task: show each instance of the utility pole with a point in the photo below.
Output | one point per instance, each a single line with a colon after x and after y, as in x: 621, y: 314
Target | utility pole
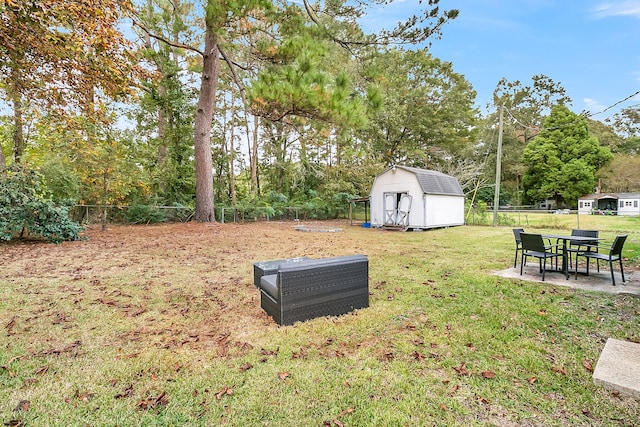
x: 496, y: 196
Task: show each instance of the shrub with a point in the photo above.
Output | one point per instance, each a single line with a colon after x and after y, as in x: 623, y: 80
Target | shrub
x: 145, y: 214
x: 181, y: 212
x: 478, y: 215
x: 504, y: 219
x: 25, y: 209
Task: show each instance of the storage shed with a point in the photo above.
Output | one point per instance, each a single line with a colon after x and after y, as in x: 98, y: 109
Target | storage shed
x: 410, y: 198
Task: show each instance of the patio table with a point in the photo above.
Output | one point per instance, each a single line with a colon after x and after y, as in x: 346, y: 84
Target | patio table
x: 565, y: 238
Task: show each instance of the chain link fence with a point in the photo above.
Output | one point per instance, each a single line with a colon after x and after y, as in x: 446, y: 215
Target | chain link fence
x: 147, y: 214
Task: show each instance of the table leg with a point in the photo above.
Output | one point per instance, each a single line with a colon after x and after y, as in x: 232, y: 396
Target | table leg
x: 565, y: 261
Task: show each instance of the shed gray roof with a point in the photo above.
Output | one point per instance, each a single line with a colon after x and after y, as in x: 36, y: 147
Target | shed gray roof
x: 433, y: 182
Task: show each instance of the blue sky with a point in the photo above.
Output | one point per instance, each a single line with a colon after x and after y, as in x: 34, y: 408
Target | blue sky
x: 591, y: 47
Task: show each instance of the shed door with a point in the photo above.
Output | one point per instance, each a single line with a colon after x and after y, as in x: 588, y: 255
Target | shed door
x: 396, y: 208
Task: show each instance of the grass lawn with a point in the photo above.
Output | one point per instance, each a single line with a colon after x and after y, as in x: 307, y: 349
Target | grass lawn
x: 162, y: 326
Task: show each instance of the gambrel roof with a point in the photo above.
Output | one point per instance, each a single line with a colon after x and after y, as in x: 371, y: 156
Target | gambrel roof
x: 433, y: 182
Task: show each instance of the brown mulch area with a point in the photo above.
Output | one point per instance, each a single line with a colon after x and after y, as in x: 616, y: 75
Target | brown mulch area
x: 171, y: 285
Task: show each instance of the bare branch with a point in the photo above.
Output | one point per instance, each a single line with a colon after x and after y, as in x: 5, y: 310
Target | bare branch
x: 310, y: 12
x: 405, y: 32
x: 167, y: 41
x: 345, y: 44
x: 236, y: 78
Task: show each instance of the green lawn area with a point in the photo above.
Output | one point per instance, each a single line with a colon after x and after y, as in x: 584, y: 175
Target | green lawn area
x: 162, y: 326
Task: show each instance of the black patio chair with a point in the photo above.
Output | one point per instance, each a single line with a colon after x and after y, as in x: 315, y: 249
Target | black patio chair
x: 581, y: 245
x: 611, y: 254
x: 516, y: 235
x: 533, y: 245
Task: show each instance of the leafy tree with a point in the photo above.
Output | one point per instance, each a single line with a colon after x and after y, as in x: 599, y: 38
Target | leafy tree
x: 630, y: 146
x: 63, y: 55
x: 108, y: 177
x: 62, y: 179
x: 487, y: 195
x: 102, y: 169
x: 301, y: 80
x: 342, y: 26
x: 277, y: 171
x: 525, y: 108
x: 606, y: 135
x: 222, y: 18
x: 622, y: 174
x: 627, y: 122
x: 308, y: 97
x: 427, y: 110
x: 25, y: 209
x: 562, y: 159
x: 164, y: 116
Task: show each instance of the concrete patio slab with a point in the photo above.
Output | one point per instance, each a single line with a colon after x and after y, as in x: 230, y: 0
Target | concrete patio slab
x: 595, y: 281
x: 618, y: 368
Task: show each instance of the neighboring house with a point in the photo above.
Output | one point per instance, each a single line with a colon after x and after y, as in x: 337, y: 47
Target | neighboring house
x: 610, y: 204
x: 411, y: 198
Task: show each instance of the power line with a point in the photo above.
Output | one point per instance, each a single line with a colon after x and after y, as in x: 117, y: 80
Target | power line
x: 539, y: 129
x: 518, y: 121
x: 613, y: 105
x: 585, y: 115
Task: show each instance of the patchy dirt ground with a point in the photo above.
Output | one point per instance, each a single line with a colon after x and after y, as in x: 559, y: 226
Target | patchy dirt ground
x: 175, y: 285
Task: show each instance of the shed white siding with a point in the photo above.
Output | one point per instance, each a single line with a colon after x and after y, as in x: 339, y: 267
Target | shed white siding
x: 445, y: 211
x: 436, y: 199
x: 394, y: 183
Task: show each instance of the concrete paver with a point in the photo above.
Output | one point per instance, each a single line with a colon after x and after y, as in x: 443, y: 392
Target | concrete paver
x: 595, y: 281
x: 618, y: 367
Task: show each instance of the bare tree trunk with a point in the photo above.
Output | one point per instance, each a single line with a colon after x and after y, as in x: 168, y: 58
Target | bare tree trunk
x: 232, y: 152
x: 162, y: 126
x: 18, y: 123
x: 162, y: 92
x: 105, y: 199
x: 255, y: 180
x: 280, y: 154
x: 202, y: 129
x: 3, y: 159
x: 252, y: 189
x: 3, y: 163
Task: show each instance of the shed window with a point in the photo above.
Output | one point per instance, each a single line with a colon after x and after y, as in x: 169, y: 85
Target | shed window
x: 621, y: 203
x: 635, y: 203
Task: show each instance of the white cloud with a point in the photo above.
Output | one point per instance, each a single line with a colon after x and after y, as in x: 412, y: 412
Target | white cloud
x: 623, y: 8
x: 635, y: 98
x: 593, y: 105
